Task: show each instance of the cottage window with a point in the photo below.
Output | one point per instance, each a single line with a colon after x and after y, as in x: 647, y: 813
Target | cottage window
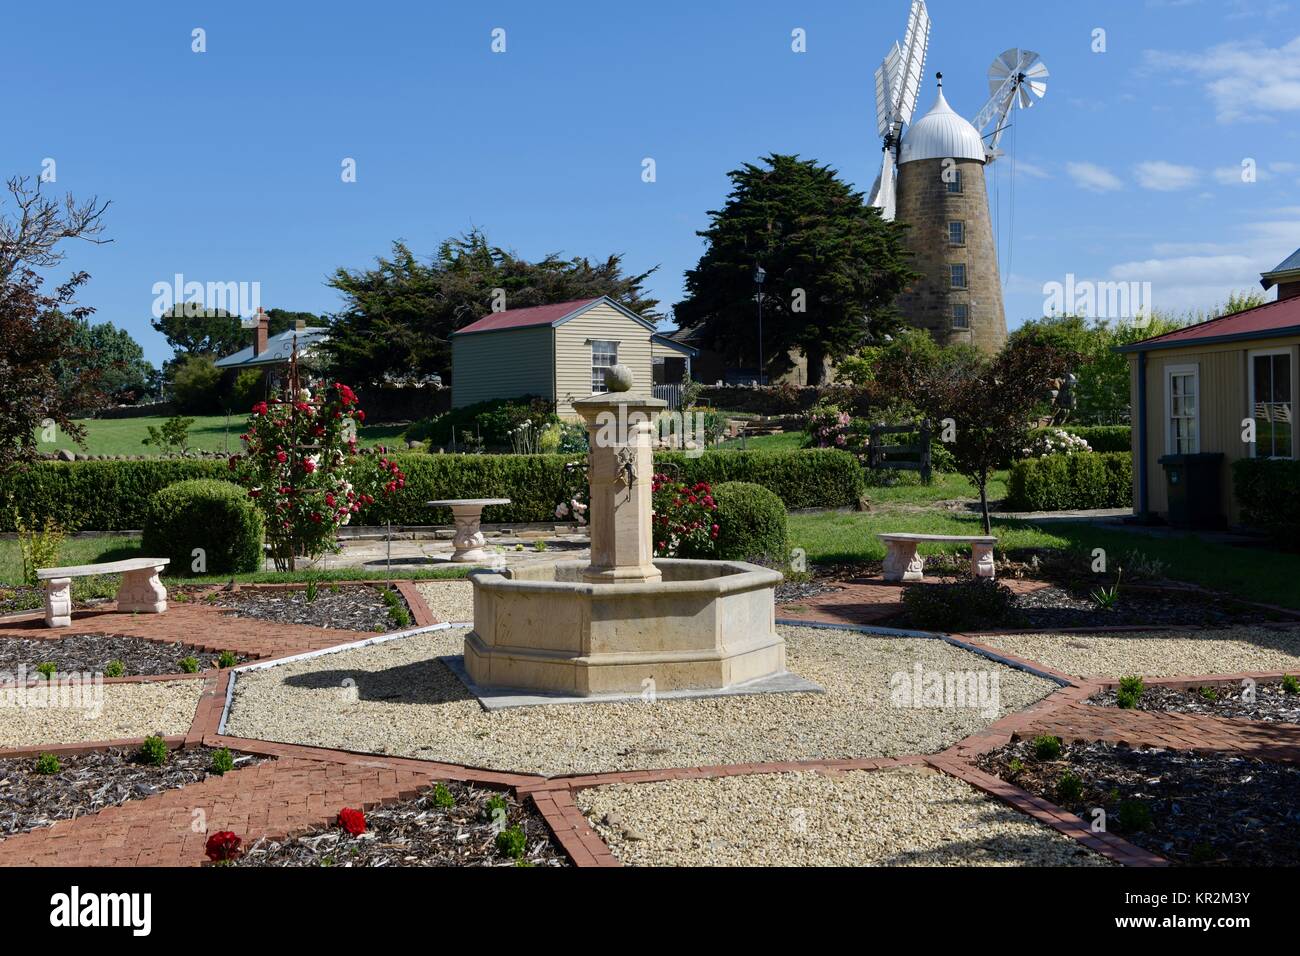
x: 603, y: 355
x: 1183, y: 409
x: 1272, y: 404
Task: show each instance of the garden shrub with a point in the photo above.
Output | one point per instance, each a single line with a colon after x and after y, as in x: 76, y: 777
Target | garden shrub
x: 1268, y: 491
x: 1071, y: 482
x: 811, y: 478
x: 751, y: 523
x: 1100, y: 438
x: 492, y: 421
x: 968, y: 604
x: 684, y: 518
x: 216, y: 516
x: 1047, y: 747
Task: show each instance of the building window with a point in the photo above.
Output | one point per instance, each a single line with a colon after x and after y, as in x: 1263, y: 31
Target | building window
x: 1183, y: 410
x: 603, y: 355
x: 958, y: 273
x: 956, y: 233
x: 960, y: 315
x: 954, y: 182
x: 1272, y: 404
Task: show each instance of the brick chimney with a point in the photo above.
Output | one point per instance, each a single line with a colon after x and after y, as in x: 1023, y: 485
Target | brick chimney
x: 259, y: 335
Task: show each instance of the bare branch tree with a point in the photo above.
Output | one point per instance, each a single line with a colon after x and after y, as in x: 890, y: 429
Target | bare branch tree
x: 29, y: 236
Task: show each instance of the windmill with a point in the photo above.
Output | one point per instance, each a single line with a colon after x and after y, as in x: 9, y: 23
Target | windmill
x: 898, y: 83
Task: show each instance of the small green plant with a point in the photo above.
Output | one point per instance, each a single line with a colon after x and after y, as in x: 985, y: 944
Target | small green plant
x: 1208, y: 694
x: 539, y: 545
x: 1134, y: 816
x: 1108, y: 598
x: 223, y: 761
x: 519, y: 546
x: 1069, y: 788
x: 172, y: 437
x: 1016, y: 767
x: 309, y: 593
x: 1290, y: 684
x: 190, y: 665
x: 39, y: 547
x: 47, y: 764
x: 227, y: 659
x: 47, y: 669
x: 511, y: 842
x: 1129, y: 692
x: 397, y: 611
x: 154, y: 751
x: 442, y: 797
x: 1126, y: 700
x: 1047, y: 747
x: 114, y: 669
x: 495, y: 808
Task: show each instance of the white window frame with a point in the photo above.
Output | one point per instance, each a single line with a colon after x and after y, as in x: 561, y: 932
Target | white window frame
x: 962, y: 224
x: 1170, y: 371
x: 965, y: 275
x: 961, y: 305
x: 1250, y: 395
x: 957, y: 182
x: 598, y: 348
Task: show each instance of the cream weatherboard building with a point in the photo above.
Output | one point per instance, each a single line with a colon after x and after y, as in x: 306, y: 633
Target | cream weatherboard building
x: 558, y: 352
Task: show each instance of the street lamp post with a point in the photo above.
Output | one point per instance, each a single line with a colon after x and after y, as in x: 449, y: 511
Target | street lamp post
x: 759, y: 276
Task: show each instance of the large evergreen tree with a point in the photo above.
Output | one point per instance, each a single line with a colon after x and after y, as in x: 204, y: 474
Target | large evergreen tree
x: 398, y: 316
x: 833, y: 268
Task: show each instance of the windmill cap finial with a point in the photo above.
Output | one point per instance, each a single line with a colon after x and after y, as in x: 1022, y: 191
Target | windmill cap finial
x: 939, y: 77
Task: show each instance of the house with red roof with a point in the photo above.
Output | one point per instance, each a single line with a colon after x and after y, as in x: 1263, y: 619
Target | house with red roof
x: 1200, y: 394
x: 558, y: 352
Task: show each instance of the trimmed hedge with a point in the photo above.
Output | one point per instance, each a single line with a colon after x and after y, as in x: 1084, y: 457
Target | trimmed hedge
x: 1071, y: 482
x: 114, y: 495
x: 216, y: 516
x: 1100, y: 438
x: 751, y: 523
x: 1268, y: 491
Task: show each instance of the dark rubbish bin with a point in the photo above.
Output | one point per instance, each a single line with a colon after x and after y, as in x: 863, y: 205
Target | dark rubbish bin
x: 1195, y: 488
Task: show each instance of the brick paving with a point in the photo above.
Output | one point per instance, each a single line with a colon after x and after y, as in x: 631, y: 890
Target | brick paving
x: 306, y: 786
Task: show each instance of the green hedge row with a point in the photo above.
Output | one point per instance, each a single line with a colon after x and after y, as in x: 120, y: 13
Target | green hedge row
x: 1268, y: 491
x: 1071, y: 482
x: 1100, y: 438
x: 113, y: 495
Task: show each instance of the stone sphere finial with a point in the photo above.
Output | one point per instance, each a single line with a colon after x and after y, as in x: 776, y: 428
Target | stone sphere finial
x: 618, y: 378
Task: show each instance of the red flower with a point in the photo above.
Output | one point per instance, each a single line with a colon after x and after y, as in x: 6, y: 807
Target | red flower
x: 329, y: 499
x: 281, y: 457
x: 308, y: 465
x: 222, y: 846
x: 361, y: 416
x: 315, y: 516
x: 260, y: 408
x: 354, y: 821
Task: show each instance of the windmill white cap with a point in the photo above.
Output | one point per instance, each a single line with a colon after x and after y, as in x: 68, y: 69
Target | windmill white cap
x: 941, y: 134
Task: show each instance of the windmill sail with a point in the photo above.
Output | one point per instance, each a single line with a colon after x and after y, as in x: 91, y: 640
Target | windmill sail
x: 898, y: 84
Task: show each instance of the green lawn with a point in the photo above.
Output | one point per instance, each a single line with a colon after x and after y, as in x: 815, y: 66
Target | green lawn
x: 124, y: 436
x: 836, y: 537
x: 786, y: 441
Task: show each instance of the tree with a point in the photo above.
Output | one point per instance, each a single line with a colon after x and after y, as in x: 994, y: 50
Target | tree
x: 194, y: 384
x: 217, y: 335
x: 833, y: 267
x: 399, y: 315
x: 30, y: 236
x: 115, y: 359
x: 983, y: 407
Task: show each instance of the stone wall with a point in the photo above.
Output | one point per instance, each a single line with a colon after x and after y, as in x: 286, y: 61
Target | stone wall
x: 925, y: 204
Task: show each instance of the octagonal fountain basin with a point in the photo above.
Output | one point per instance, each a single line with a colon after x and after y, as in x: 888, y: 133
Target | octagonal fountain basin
x: 707, y: 625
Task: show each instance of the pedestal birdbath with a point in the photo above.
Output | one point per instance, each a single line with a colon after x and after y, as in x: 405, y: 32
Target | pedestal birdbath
x: 626, y: 622
x: 467, y: 545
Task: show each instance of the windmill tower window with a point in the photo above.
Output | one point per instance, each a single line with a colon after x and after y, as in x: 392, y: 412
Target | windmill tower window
x: 956, y: 233
x: 954, y: 184
x: 958, y: 274
x: 960, y: 315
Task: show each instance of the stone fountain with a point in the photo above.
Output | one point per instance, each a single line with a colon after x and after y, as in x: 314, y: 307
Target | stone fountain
x: 625, y: 623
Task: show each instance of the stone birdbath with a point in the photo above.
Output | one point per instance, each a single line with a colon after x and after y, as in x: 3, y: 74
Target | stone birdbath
x: 468, y: 543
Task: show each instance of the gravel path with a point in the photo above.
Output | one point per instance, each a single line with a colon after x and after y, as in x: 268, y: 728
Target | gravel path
x: 125, y: 711
x: 1157, y: 654
x: 904, y: 817
x: 403, y: 701
x: 449, y: 600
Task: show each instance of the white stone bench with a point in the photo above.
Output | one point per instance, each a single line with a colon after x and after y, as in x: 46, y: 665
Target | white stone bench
x: 902, y: 563
x: 140, y: 590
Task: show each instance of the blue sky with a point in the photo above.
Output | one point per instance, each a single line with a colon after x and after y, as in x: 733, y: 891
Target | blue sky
x: 225, y: 165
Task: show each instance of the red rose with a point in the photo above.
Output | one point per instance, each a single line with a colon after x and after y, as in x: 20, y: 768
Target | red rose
x: 354, y: 821
x: 361, y: 416
x: 281, y: 457
x: 329, y: 499
x: 259, y: 408
x: 308, y: 465
x: 315, y: 516
x: 223, y: 846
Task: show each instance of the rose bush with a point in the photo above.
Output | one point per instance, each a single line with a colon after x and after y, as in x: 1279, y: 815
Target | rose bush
x: 684, y: 523
x: 301, y: 467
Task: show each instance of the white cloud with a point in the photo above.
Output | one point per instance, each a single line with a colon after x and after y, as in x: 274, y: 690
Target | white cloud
x: 1244, y: 80
x: 1031, y: 170
x: 1165, y: 177
x: 1092, y: 177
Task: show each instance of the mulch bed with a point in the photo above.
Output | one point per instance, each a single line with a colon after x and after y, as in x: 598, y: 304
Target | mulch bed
x: 1271, y: 704
x: 82, y: 653
x: 349, y: 608
x: 87, y: 783
x: 1192, y: 809
x: 418, y: 833
x: 22, y: 598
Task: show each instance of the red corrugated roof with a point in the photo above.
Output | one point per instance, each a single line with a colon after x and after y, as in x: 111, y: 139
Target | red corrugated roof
x: 523, y: 318
x: 1274, y: 316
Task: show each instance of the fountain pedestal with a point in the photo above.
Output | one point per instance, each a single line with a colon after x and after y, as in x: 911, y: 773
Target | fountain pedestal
x: 625, y: 623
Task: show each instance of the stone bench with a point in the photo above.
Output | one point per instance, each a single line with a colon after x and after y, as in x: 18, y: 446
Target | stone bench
x: 902, y: 563
x: 140, y: 590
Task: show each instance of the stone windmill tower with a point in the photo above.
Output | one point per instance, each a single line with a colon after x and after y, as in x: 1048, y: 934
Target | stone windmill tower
x: 932, y: 178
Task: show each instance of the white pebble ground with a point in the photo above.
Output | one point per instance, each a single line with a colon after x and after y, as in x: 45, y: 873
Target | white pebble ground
x: 1156, y: 653
x: 904, y: 817
x: 127, y: 710
x: 397, y: 698
x: 449, y: 600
